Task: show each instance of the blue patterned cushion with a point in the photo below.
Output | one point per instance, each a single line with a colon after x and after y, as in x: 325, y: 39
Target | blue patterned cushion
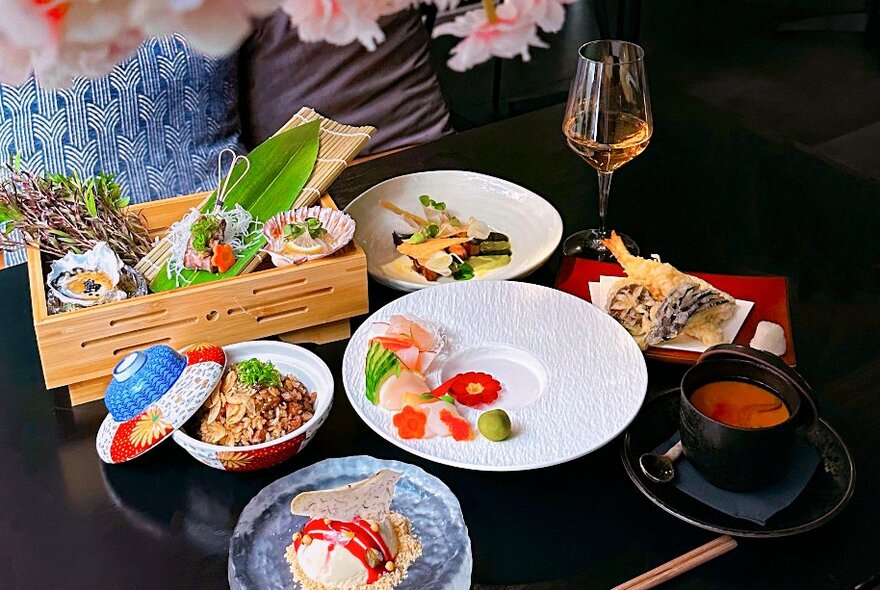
x: 157, y: 122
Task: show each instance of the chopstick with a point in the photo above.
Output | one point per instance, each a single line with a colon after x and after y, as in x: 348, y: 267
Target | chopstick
x: 680, y: 564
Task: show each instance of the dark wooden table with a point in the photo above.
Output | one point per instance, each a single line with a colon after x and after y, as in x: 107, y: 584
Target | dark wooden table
x: 707, y: 194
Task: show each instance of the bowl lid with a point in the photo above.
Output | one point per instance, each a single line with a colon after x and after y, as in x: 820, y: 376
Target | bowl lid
x: 126, y: 434
x: 760, y: 357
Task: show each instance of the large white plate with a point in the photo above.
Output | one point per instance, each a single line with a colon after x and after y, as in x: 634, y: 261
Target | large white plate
x: 532, y: 224
x: 572, y: 377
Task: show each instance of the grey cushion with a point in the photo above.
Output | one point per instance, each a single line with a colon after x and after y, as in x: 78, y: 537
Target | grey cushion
x: 393, y: 88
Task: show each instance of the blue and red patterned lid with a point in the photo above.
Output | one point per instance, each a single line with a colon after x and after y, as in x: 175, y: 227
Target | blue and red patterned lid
x: 153, y: 393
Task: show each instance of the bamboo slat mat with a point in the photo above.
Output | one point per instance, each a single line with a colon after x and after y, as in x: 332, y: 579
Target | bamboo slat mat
x: 338, y: 145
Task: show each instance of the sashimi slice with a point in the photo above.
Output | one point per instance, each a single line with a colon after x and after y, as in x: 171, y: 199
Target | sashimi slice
x: 425, y: 360
x: 423, y: 338
x: 409, y: 357
x: 420, y: 332
x: 392, y: 392
x: 399, y: 325
x: 459, y: 429
x: 443, y: 418
x: 393, y: 343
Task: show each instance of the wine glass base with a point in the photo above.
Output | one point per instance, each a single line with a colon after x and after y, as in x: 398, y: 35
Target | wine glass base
x: 587, y: 244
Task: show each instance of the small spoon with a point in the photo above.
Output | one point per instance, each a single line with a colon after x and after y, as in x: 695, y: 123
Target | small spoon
x: 659, y: 468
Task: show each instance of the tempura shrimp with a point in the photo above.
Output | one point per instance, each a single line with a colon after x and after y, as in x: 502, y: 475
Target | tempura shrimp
x: 661, y: 278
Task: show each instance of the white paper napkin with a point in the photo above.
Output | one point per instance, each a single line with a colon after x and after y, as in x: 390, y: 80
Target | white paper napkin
x: 730, y: 328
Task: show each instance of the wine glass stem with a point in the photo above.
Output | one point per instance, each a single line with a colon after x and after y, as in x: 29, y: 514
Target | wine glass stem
x: 604, y: 189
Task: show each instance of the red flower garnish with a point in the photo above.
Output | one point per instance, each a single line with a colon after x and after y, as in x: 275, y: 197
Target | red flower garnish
x: 459, y: 428
x: 410, y: 423
x: 471, y: 389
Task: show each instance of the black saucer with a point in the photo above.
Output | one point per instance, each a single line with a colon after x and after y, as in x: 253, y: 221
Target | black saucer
x: 825, y: 496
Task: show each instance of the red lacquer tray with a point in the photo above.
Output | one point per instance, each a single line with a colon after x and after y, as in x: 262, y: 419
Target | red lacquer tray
x: 770, y: 295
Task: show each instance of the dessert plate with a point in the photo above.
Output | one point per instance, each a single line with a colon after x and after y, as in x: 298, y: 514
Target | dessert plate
x: 532, y: 224
x: 572, y: 378
x: 826, y: 494
x: 264, y: 530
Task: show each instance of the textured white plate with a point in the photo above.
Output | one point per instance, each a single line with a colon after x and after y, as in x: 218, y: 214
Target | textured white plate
x: 532, y: 224
x: 572, y: 377
x: 256, y: 550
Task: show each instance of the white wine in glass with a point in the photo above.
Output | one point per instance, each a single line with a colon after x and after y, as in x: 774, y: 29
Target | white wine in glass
x: 607, y: 123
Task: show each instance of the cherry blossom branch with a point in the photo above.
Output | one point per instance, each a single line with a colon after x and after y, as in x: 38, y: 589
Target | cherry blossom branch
x: 60, y: 39
x: 489, y: 7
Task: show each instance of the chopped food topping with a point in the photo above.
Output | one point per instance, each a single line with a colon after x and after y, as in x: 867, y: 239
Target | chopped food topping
x: 253, y: 372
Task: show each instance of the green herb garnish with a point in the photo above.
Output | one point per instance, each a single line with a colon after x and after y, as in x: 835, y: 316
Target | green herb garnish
x: 316, y: 228
x: 254, y: 372
x: 445, y: 397
x: 293, y: 230
x: 428, y: 202
x: 417, y: 238
x: 462, y: 272
x: 203, y: 230
x: 312, y: 224
x: 432, y: 230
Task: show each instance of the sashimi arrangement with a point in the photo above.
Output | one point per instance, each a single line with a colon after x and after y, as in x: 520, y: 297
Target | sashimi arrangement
x: 401, y: 352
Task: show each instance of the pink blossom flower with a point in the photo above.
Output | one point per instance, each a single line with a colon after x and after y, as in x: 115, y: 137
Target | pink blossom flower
x: 214, y: 27
x: 548, y: 14
x: 25, y: 30
x: 513, y: 33
x: 339, y: 22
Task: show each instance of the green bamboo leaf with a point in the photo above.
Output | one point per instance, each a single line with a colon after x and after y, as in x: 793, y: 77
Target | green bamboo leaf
x: 279, y: 169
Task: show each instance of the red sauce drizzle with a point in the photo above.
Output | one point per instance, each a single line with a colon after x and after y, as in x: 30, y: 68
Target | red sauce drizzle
x: 364, y: 540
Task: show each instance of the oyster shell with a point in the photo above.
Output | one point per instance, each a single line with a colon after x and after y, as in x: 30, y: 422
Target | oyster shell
x: 85, y: 279
x: 340, y: 231
x: 92, y: 278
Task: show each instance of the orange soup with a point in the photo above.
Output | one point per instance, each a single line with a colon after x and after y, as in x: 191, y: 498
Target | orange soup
x: 740, y: 404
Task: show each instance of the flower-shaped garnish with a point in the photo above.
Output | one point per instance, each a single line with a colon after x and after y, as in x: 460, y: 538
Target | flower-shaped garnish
x: 224, y: 257
x: 410, y: 423
x: 470, y: 389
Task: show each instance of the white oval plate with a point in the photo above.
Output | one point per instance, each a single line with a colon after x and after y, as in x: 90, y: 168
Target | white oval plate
x: 532, y: 224
x: 572, y: 378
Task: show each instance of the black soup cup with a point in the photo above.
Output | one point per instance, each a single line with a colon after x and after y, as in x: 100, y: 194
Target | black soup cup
x: 743, y: 459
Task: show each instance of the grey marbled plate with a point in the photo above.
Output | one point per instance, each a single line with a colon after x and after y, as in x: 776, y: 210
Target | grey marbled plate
x: 263, y: 532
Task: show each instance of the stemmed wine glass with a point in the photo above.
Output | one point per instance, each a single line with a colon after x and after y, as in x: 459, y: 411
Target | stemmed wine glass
x: 607, y: 123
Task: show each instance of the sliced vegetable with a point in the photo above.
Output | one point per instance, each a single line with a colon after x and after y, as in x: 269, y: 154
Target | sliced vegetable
x: 223, y: 258
x: 381, y: 364
x: 410, y: 423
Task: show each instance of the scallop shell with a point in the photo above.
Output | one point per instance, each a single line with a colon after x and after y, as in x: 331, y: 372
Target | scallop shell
x: 85, y: 279
x: 340, y: 231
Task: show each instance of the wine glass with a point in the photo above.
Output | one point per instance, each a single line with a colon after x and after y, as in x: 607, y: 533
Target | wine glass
x: 607, y: 123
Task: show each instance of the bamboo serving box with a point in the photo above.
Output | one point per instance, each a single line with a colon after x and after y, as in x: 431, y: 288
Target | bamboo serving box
x: 311, y: 302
